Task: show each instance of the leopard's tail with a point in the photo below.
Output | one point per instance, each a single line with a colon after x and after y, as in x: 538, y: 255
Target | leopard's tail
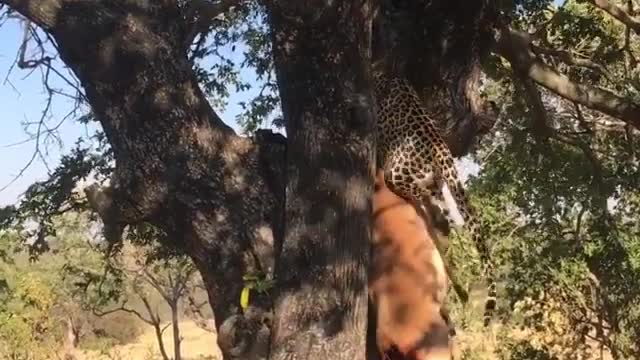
x: 467, y: 210
x: 488, y: 271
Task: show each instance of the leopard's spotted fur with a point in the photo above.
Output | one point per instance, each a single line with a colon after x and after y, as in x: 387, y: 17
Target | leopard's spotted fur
x: 417, y: 163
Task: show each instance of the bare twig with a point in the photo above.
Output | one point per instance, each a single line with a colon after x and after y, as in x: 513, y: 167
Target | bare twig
x: 44, y: 133
x: 200, y: 320
x: 36, y: 152
x: 123, y: 308
x: 165, y: 328
x: 151, y: 280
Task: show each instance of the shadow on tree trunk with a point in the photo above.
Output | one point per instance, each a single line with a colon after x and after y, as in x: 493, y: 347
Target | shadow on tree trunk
x: 221, y: 196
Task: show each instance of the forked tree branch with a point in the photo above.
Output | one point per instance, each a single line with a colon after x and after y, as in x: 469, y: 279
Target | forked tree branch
x: 515, y: 46
x: 617, y: 13
x: 123, y: 307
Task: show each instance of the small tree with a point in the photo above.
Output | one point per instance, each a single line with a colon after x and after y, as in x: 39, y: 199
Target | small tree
x: 170, y: 278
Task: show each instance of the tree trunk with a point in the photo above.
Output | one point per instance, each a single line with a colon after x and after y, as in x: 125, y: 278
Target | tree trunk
x: 175, y: 325
x: 220, y: 196
x: 178, y: 166
x: 321, y: 307
x: 158, y: 331
x: 71, y: 339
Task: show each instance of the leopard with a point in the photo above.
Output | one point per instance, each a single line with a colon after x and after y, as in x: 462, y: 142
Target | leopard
x: 419, y: 166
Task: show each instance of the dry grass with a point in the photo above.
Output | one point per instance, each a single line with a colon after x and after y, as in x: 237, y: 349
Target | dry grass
x: 196, y: 344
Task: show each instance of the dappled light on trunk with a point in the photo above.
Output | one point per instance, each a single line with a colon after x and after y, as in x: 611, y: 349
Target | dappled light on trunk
x: 542, y: 94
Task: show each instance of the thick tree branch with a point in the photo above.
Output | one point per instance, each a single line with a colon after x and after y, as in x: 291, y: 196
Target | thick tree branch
x: 539, y: 114
x: 516, y: 48
x: 568, y: 58
x: 123, y: 308
x: 617, y: 13
x: 42, y: 12
x: 202, y: 13
x: 101, y: 201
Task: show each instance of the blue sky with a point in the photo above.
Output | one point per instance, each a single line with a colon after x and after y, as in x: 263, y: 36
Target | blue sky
x: 22, y: 100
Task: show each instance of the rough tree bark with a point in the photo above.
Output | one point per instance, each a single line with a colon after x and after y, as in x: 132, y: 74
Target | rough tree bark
x: 517, y: 47
x: 175, y: 327
x: 178, y: 166
x: 321, y: 308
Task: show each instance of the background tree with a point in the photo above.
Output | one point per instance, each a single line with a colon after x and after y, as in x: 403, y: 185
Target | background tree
x: 39, y: 311
x: 56, y: 300
x: 170, y: 278
x: 557, y: 188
